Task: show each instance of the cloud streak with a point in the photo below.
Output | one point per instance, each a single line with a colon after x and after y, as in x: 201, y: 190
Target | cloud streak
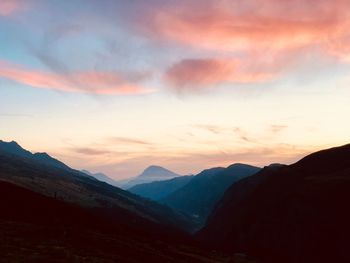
x: 201, y: 73
x: 89, y: 151
x: 125, y: 140
x: 95, y: 82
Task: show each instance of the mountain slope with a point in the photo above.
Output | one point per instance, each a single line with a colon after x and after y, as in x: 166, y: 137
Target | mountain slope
x: 159, y: 190
x: 296, y: 213
x: 152, y: 173
x: 75, y: 187
x: 36, y: 228
x: 199, y: 196
x: 102, y: 177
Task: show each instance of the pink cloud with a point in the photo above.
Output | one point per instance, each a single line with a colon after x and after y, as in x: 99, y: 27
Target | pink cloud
x: 191, y: 73
x: 96, y: 82
x: 251, y: 41
x: 9, y: 7
x: 227, y: 25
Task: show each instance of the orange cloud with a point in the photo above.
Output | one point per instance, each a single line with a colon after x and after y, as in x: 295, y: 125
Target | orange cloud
x: 191, y: 73
x: 8, y: 7
x: 227, y: 25
x: 85, y: 81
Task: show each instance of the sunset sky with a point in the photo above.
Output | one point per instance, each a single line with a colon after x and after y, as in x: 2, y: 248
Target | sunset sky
x: 115, y: 86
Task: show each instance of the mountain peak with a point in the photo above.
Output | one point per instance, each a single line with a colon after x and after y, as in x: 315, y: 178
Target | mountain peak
x: 14, y: 148
x: 239, y: 165
x: 10, y: 144
x: 155, y: 171
x: 154, y: 168
x: 151, y: 174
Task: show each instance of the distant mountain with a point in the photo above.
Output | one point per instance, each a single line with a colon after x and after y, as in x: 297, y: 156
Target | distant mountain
x: 102, y: 177
x: 296, y: 213
x: 160, y: 189
x: 48, y: 178
x: 151, y: 174
x: 200, y: 195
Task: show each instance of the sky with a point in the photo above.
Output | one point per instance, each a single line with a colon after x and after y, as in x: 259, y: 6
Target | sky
x: 116, y: 86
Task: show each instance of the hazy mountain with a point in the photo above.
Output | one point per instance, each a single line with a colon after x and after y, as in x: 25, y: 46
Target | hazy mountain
x: 75, y: 187
x: 295, y: 213
x: 199, y: 196
x: 102, y: 177
x: 36, y: 228
x: 160, y: 189
x: 152, y: 173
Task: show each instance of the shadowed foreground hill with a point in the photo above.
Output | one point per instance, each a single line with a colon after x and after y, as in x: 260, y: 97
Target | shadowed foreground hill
x: 36, y: 228
x: 297, y: 213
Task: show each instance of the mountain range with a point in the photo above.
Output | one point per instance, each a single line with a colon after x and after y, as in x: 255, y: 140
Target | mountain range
x: 294, y: 213
x: 199, y: 196
x: 50, y: 178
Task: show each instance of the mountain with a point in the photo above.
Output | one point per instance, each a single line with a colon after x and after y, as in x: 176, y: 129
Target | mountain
x: 78, y: 188
x: 37, y: 228
x: 102, y: 177
x: 151, y: 174
x: 47, y: 159
x: 14, y: 148
x: 199, y: 196
x: 296, y: 213
x: 160, y: 189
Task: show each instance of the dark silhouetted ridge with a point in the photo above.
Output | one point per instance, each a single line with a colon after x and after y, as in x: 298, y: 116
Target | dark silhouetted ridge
x: 296, y: 213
